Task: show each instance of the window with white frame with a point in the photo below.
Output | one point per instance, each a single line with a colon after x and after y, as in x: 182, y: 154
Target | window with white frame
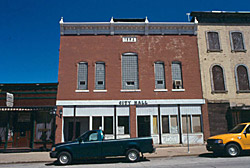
x: 82, y: 76
x: 123, y: 125
x: 130, y: 71
x: 177, y: 75
x: 159, y: 75
x: 242, y: 78
x: 100, y: 76
x: 237, y: 41
x: 108, y: 125
x: 191, y: 123
x: 170, y: 124
x: 213, y: 42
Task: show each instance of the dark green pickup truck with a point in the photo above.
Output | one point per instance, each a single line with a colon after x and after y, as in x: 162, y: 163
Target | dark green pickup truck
x: 92, y: 144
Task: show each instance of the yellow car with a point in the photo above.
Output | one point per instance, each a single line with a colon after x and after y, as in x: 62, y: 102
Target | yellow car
x: 232, y: 143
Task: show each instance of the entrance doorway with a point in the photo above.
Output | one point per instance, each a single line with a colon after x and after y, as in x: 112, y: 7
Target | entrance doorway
x: 143, y: 125
x: 22, y: 129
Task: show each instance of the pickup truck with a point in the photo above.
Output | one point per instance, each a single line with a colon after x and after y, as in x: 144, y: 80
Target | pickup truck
x: 92, y: 144
x: 232, y: 143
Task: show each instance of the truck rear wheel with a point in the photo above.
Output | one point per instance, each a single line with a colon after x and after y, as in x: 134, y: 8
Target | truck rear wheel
x: 64, y: 158
x: 133, y: 155
x: 232, y: 150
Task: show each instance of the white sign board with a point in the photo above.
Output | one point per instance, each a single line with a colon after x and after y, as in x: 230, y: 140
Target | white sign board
x: 121, y: 130
x: 129, y: 39
x: 9, y: 99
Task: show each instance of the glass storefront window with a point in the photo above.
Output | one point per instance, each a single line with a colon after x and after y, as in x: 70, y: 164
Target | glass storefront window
x: 186, y: 122
x: 165, y: 124
x: 44, y: 124
x: 196, y: 123
x: 96, y: 123
x: 174, y: 124
x: 3, y: 126
x: 108, y: 125
x: 155, y: 125
x: 123, y: 125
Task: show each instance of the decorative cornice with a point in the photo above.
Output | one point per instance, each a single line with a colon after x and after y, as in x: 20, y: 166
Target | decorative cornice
x: 134, y: 28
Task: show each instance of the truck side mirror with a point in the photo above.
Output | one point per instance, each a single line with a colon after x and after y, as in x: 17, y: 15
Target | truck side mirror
x: 245, y: 133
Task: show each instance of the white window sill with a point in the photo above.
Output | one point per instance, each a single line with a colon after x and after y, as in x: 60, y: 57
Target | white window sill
x: 99, y: 91
x: 178, y: 90
x: 160, y: 90
x: 82, y: 91
x: 133, y: 90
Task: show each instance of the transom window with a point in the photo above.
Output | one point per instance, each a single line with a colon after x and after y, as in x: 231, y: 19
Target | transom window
x: 237, y: 41
x: 213, y: 42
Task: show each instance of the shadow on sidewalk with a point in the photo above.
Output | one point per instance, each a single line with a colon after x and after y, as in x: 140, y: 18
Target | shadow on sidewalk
x: 97, y: 161
x: 211, y: 155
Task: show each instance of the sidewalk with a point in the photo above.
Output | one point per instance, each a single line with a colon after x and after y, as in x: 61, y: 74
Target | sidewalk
x: 161, y: 151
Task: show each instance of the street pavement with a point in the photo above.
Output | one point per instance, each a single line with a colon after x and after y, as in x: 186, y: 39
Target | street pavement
x: 161, y: 152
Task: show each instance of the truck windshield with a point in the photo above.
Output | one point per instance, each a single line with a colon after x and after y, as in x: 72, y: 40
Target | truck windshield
x: 237, y: 129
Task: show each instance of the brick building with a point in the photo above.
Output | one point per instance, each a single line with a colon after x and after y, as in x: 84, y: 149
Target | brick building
x: 29, y: 123
x: 223, y: 41
x: 132, y: 78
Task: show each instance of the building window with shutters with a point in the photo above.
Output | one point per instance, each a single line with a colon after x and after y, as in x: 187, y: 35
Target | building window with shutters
x: 237, y: 42
x: 82, y: 79
x: 213, y: 41
x: 130, y: 81
x: 177, y: 76
x: 100, y: 76
x: 218, y: 79
x: 160, y: 84
x: 242, y: 79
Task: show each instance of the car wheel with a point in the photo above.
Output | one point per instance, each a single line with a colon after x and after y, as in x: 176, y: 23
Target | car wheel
x: 64, y: 158
x: 133, y: 155
x: 232, y: 150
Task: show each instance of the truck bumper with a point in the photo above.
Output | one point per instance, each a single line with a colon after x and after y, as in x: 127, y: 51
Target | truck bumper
x: 215, y: 147
x: 53, y: 154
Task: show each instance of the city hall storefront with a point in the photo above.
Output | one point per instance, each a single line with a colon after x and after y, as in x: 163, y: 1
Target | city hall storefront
x: 27, y: 128
x: 167, y: 121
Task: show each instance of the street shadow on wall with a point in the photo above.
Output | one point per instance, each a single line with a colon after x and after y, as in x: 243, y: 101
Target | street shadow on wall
x: 98, y: 161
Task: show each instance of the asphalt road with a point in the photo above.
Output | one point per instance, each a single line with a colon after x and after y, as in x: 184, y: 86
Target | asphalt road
x: 203, y: 161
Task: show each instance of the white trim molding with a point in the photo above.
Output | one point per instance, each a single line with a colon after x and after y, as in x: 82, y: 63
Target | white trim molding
x: 128, y: 102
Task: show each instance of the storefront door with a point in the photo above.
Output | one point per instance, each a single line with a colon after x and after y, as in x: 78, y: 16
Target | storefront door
x: 22, y: 130
x: 143, y: 126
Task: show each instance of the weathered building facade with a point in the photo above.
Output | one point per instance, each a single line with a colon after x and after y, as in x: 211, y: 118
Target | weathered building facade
x: 223, y: 42
x: 132, y: 78
x: 28, y: 123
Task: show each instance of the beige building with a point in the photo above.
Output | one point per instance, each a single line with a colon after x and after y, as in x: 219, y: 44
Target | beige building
x: 224, y: 53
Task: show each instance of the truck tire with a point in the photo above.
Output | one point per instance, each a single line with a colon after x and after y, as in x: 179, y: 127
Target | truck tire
x: 64, y: 158
x: 232, y: 150
x: 133, y: 155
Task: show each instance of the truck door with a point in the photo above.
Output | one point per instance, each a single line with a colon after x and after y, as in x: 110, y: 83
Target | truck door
x: 90, y: 146
x: 246, y: 138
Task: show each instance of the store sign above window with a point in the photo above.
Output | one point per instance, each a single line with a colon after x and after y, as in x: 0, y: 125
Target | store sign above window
x: 136, y: 102
x: 129, y: 39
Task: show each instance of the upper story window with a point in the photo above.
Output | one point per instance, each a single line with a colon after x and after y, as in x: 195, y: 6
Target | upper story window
x: 242, y: 79
x: 82, y: 79
x: 100, y: 76
x: 130, y: 71
x: 213, y: 41
x: 177, y: 75
x: 237, y: 41
x: 159, y: 76
x: 218, y: 79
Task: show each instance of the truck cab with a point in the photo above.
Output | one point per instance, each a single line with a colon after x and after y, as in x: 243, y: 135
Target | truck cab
x: 232, y: 143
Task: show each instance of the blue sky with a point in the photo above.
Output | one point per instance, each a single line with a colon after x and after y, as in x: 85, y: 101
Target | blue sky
x: 30, y: 37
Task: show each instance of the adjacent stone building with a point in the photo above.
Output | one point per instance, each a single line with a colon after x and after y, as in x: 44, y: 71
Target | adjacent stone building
x: 223, y: 42
x: 131, y: 78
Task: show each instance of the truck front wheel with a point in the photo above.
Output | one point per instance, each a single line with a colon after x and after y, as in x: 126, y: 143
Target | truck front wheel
x: 133, y: 155
x: 64, y: 158
x: 232, y: 150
